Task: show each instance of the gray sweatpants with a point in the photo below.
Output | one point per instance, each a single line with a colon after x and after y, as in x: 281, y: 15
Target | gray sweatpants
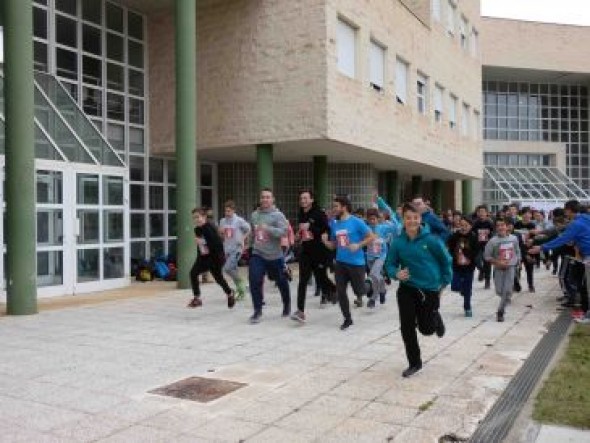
x: 232, y: 258
x: 504, y: 282
x: 376, y: 276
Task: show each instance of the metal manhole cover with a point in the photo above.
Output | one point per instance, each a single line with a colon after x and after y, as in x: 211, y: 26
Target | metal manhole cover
x: 199, y: 389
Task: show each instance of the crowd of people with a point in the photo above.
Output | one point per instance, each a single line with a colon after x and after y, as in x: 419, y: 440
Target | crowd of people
x: 368, y: 248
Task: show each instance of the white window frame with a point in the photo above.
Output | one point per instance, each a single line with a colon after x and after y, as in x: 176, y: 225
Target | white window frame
x: 477, y: 125
x: 451, y: 17
x: 401, y: 80
x: 422, y: 93
x: 474, y: 42
x: 463, y: 29
x: 346, y: 44
x: 439, y: 93
x: 453, y: 100
x: 436, y: 10
x: 377, y: 57
x: 465, y: 116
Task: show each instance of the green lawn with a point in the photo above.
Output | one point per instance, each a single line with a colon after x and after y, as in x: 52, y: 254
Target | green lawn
x: 565, y: 396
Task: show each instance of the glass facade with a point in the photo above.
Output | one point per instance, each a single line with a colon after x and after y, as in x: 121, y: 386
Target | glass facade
x: 526, y: 111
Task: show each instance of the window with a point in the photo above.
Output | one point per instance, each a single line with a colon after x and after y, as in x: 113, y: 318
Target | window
x: 421, y: 93
x: 463, y: 27
x: 465, y: 120
x: 401, y: 81
x: 474, y: 42
x: 438, y: 103
x: 436, y: 9
x: 377, y: 65
x: 451, y: 11
x: 453, y: 111
x: 346, y: 49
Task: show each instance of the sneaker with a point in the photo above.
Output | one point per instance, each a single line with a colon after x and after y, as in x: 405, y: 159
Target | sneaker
x: 240, y: 296
x: 231, y: 299
x: 468, y: 313
x: 298, y: 316
x: 347, y: 323
x: 387, y: 280
x: 286, y: 312
x: 358, y: 302
x: 195, y: 303
x: 382, y: 297
x: 440, y: 326
x: 500, y: 316
x: 583, y: 321
x: 411, y: 370
x: 324, y: 300
x: 255, y: 318
x: 577, y: 313
x: 371, y: 304
x: 531, y: 289
x: 368, y: 287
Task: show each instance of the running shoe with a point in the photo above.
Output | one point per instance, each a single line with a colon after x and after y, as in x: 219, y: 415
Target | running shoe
x: 468, y: 313
x: 347, y: 323
x: 255, y: 318
x: 231, y: 299
x: 411, y: 370
x: 298, y: 316
x: 195, y: 303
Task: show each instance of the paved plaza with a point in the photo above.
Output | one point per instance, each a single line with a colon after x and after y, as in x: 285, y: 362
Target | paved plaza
x: 83, y: 373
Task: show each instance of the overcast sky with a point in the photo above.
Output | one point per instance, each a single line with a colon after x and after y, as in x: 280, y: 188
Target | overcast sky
x: 575, y: 12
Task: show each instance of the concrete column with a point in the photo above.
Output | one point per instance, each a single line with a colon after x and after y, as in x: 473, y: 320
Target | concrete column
x: 392, y: 188
x: 264, y: 166
x: 186, y: 134
x: 21, y: 278
x: 416, y: 185
x: 467, y: 196
x: 437, y: 195
x: 320, y: 180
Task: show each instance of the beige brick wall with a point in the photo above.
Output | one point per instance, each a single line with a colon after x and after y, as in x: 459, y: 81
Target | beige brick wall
x: 361, y: 116
x: 534, y: 45
x: 260, y: 68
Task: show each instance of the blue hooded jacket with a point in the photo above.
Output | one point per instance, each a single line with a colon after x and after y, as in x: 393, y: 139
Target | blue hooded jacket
x: 437, y: 227
x: 426, y: 257
x: 578, y: 231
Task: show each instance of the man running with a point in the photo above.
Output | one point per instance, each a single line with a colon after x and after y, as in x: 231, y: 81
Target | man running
x: 234, y: 230
x: 437, y: 227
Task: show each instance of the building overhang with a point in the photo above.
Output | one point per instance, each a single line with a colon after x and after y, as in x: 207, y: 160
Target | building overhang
x: 508, y: 74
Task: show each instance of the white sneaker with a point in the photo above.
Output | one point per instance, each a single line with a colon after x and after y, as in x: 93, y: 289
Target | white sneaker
x: 583, y: 320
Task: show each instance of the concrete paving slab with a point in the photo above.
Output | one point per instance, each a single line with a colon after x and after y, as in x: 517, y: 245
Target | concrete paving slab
x: 562, y: 434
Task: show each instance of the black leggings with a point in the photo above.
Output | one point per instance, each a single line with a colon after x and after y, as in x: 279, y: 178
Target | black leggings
x: 205, y: 263
x: 307, y: 267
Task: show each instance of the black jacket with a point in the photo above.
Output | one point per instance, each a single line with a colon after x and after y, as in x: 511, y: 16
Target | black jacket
x: 464, y: 249
x: 313, y: 247
x: 214, y: 243
x: 483, y: 229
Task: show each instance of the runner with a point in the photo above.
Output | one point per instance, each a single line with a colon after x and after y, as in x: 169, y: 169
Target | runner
x: 348, y: 235
x: 526, y: 228
x: 269, y: 225
x: 483, y: 227
x: 210, y: 258
x: 235, y: 231
x: 314, y: 256
x: 464, y: 248
x: 428, y: 217
x: 422, y: 264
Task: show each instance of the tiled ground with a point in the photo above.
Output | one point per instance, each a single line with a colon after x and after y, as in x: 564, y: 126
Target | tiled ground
x: 83, y: 373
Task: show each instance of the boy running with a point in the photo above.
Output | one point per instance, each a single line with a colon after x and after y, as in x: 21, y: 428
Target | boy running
x: 234, y: 230
x: 483, y: 227
x: 464, y: 248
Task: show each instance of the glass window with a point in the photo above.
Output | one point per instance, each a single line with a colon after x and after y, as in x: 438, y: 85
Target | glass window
x: 207, y: 197
x: 72, y: 89
x: 346, y: 42
x: 92, y: 11
x: 172, y: 232
x: 134, y: 25
x: 156, y: 170
x: 206, y: 175
x: 377, y: 65
x: 156, y: 225
x: 136, y: 111
x: 172, y: 197
x: 92, y: 101
x: 452, y: 111
x: 112, y: 190
x: 40, y: 23
x: 401, y: 81
x: 114, y: 262
x: 137, y: 199
x: 40, y: 56
x: 171, y: 171
x: 421, y: 93
x: 88, y: 265
x: 156, y: 197
x: 115, y: 78
x: 156, y: 249
x: 438, y: 103
x: 91, y: 40
x: 114, y: 16
x: 91, y: 71
x: 113, y: 226
x: 115, y: 49
x: 115, y: 106
x: 88, y: 220
x: 116, y: 136
x: 136, y: 143
x: 137, y: 225
x: 87, y: 189
x: 49, y: 187
x: 66, y: 31
x: 67, y: 6
x: 135, y: 82
x: 138, y: 250
x: 135, y: 54
x: 67, y: 63
x: 49, y: 268
x: 136, y: 168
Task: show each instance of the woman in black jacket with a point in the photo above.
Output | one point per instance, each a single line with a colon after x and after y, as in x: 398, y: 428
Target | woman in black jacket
x: 210, y: 259
x: 464, y: 247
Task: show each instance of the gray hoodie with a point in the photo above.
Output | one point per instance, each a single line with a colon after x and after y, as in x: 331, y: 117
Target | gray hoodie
x: 503, y: 248
x: 234, y: 230
x: 266, y: 242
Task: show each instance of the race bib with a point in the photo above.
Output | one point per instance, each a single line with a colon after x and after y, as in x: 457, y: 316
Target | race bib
x: 377, y: 246
x: 261, y: 235
x: 462, y: 259
x: 304, y: 232
x: 483, y: 235
x: 342, y: 238
x: 525, y: 236
x: 203, y: 248
x: 229, y: 233
x: 506, y: 252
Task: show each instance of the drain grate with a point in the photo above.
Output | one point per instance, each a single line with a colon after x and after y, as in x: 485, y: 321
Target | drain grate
x: 496, y: 425
x: 199, y: 389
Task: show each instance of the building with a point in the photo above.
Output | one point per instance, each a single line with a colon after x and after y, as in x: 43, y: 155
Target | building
x: 536, y: 78
x: 342, y: 95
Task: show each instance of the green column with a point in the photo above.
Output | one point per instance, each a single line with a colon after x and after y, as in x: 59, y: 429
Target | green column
x: 392, y: 188
x: 186, y: 134
x: 21, y: 237
x: 437, y: 196
x: 467, y: 196
x: 320, y: 180
x: 416, y: 185
x: 264, y: 166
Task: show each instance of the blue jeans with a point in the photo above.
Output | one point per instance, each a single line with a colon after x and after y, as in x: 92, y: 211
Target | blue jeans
x: 258, y: 267
x: 463, y: 283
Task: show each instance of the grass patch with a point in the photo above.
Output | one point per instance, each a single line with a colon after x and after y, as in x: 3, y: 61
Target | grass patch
x: 565, y: 396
